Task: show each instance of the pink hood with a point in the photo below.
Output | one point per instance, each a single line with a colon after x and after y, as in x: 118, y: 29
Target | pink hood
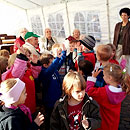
x: 115, y: 97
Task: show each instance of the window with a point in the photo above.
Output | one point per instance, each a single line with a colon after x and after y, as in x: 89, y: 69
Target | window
x: 56, y: 24
x: 79, y: 23
x: 88, y: 23
x: 36, y: 25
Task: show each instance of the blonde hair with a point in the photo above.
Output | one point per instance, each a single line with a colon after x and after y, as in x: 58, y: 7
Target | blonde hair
x: 3, y: 64
x: 73, y: 79
x: 56, y: 45
x: 11, y: 59
x: 4, y: 53
x: 6, y: 85
x: 104, y: 52
x: 118, y: 76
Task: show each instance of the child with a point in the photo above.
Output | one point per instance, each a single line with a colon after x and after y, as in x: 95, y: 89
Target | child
x: 4, y: 53
x: 111, y: 95
x: 103, y: 54
x: 85, y: 68
x: 75, y: 111
x: 3, y: 66
x: 88, y: 43
x: 71, y: 54
x: 113, y: 57
x: 51, y: 82
x: 26, y: 67
x: 62, y: 67
x: 13, y: 114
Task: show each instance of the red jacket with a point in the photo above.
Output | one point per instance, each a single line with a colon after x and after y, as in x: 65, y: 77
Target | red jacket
x: 19, y: 40
x: 109, y: 102
x: 87, y: 56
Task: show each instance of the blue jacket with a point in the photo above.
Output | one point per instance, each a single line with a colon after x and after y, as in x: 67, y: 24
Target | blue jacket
x: 51, y: 82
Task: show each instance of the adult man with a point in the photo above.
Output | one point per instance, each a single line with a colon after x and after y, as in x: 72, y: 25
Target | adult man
x: 47, y: 41
x: 31, y: 42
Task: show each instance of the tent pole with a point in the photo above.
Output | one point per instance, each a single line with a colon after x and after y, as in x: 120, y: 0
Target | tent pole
x: 43, y: 17
x: 108, y: 19
x: 67, y: 17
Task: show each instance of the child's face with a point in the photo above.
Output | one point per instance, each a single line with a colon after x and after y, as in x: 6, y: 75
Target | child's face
x: 77, y: 94
x: 106, y: 77
x: 22, y: 97
x: 113, y: 53
x: 71, y: 46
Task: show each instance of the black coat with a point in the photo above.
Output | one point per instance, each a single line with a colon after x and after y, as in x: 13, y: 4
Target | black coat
x: 59, y: 115
x: 15, y: 119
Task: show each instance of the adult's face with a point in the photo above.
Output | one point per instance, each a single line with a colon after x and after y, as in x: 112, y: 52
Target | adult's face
x: 34, y: 41
x: 48, y: 33
x: 76, y: 34
x: 124, y: 17
x: 23, y: 32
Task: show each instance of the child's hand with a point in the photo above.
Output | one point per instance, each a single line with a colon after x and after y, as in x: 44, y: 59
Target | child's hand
x: 85, y: 123
x: 63, y: 47
x: 58, y: 53
x: 34, y: 58
x: 96, y: 72
x: 39, y: 119
x: 79, y: 49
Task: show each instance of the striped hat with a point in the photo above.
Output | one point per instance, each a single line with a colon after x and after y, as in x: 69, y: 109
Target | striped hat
x: 88, y: 41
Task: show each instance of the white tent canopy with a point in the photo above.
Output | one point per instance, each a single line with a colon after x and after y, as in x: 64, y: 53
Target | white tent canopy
x: 97, y: 18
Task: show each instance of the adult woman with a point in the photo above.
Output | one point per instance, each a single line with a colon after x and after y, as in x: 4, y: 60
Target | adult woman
x: 20, y: 39
x: 122, y: 36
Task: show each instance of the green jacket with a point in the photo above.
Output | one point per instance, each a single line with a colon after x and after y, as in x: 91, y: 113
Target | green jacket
x: 59, y: 115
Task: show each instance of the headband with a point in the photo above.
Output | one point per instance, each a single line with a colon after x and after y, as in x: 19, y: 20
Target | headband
x: 14, y: 93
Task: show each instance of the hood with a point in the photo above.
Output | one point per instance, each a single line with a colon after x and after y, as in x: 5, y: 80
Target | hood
x: 6, y: 112
x: 115, y: 95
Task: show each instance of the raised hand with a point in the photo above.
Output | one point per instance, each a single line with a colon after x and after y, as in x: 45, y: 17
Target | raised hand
x: 96, y: 72
x: 39, y: 119
x: 63, y: 47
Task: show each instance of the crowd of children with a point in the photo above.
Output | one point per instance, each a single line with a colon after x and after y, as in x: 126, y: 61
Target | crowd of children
x: 75, y: 93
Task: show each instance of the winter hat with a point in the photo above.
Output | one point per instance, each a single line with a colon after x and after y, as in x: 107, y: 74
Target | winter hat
x: 70, y: 38
x: 30, y: 34
x: 88, y: 41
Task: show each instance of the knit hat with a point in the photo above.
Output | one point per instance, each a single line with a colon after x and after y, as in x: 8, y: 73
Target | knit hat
x: 88, y: 41
x: 30, y: 34
x: 71, y: 39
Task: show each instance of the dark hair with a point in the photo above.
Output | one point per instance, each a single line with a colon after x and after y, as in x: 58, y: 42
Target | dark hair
x: 86, y: 67
x: 3, y: 65
x: 45, y: 58
x: 119, y: 76
x: 125, y: 10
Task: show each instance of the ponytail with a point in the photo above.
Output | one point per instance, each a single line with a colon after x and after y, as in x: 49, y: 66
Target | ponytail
x: 125, y: 83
